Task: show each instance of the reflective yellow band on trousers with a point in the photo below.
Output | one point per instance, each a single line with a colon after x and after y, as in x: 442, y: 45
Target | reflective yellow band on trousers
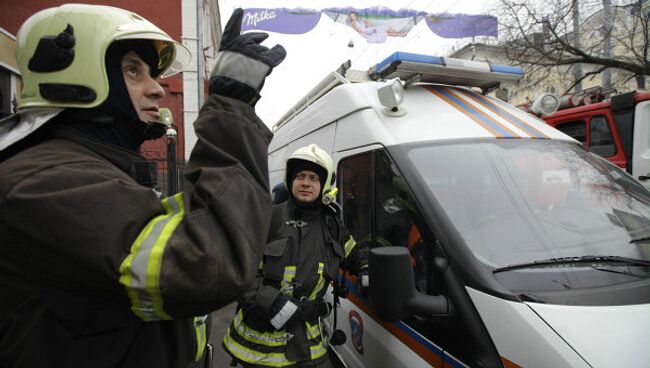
x: 140, y: 270
x: 199, y: 330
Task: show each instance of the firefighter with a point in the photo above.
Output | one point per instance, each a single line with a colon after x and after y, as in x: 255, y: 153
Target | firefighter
x: 278, y: 319
x: 96, y: 270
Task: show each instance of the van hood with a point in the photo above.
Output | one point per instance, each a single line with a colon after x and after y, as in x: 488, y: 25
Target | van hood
x: 605, y: 336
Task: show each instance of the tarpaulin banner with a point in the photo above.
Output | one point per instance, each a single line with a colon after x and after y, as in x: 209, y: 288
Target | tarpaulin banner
x: 375, y: 24
x: 281, y: 20
x: 462, y: 25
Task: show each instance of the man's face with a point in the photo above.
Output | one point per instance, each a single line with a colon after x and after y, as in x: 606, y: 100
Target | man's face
x: 143, y: 90
x: 306, y: 186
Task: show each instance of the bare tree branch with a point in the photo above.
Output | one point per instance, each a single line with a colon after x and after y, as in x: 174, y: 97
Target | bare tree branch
x: 539, y: 35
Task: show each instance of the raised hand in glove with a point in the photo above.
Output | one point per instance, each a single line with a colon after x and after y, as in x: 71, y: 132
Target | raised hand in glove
x: 242, y: 63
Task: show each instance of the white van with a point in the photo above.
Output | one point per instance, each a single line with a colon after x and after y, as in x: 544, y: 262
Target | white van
x: 497, y: 241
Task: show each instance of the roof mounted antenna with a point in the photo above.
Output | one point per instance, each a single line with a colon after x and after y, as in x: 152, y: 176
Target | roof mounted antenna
x: 344, y: 67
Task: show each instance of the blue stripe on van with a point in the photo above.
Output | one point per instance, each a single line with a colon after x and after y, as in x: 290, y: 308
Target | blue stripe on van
x: 505, y: 114
x: 477, y: 114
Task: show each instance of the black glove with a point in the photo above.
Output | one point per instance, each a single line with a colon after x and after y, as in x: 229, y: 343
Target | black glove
x: 242, y: 63
x: 310, y: 310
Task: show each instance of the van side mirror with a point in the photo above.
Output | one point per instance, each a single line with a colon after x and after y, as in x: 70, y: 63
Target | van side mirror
x: 392, y: 289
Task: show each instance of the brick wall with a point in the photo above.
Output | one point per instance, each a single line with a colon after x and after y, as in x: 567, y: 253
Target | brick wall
x: 166, y: 14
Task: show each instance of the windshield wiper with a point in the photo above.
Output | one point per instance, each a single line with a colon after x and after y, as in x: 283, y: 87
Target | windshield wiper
x: 581, y: 259
x: 643, y: 238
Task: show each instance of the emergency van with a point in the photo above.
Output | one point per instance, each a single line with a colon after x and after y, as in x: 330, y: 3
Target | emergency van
x: 617, y: 128
x: 496, y: 240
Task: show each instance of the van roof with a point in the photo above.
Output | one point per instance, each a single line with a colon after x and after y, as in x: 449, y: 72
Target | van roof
x: 430, y: 111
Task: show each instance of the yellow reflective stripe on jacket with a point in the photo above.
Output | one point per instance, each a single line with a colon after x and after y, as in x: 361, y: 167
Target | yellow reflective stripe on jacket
x: 313, y: 331
x: 349, y: 246
x: 271, y: 338
x: 199, y: 330
x: 318, y: 351
x: 140, y: 270
x: 287, y: 280
x: 269, y: 359
x: 321, y: 282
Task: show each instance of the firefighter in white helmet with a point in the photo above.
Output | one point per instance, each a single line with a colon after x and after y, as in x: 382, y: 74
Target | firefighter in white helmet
x: 95, y: 268
x: 278, y: 319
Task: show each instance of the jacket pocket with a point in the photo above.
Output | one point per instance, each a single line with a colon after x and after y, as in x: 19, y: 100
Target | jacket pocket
x: 274, y: 258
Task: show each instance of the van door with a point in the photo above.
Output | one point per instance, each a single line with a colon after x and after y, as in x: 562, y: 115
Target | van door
x: 380, y: 210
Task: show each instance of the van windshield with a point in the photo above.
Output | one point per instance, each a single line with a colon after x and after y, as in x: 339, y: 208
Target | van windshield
x: 516, y: 202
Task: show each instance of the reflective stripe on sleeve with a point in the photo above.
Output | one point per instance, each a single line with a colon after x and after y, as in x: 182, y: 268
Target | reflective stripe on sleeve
x: 199, y: 330
x: 140, y: 270
x: 349, y: 246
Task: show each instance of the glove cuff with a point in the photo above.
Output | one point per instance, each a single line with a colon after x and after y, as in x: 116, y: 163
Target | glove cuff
x: 228, y: 87
x: 280, y: 319
x: 241, y: 68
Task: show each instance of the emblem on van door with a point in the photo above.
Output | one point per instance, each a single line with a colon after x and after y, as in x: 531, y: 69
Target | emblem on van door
x: 356, y: 330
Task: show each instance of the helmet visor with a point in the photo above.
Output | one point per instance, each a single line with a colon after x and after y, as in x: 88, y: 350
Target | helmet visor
x: 172, y: 56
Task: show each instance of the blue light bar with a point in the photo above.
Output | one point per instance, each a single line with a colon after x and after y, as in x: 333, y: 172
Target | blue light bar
x: 508, y: 69
x: 399, y: 57
x: 435, y: 69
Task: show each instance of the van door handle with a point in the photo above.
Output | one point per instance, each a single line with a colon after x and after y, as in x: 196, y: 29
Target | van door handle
x: 644, y: 177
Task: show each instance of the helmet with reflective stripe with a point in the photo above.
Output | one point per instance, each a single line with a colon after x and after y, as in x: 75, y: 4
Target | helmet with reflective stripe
x: 61, y: 52
x: 316, y: 155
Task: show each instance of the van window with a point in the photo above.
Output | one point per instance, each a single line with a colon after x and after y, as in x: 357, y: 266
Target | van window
x: 354, y: 182
x: 600, y: 137
x: 375, y: 197
x: 374, y: 192
x: 576, y: 129
x: 525, y: 201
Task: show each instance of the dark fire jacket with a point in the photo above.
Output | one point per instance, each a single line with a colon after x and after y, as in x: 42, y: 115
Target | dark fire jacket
x: 303, y: 255
x: 97, y: 271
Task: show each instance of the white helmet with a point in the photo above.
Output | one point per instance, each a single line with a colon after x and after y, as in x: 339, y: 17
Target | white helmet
x: 61, y: 53
x: 314, y: 154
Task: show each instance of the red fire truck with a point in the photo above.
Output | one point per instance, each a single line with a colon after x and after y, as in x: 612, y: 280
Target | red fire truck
x: 617, y: 129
